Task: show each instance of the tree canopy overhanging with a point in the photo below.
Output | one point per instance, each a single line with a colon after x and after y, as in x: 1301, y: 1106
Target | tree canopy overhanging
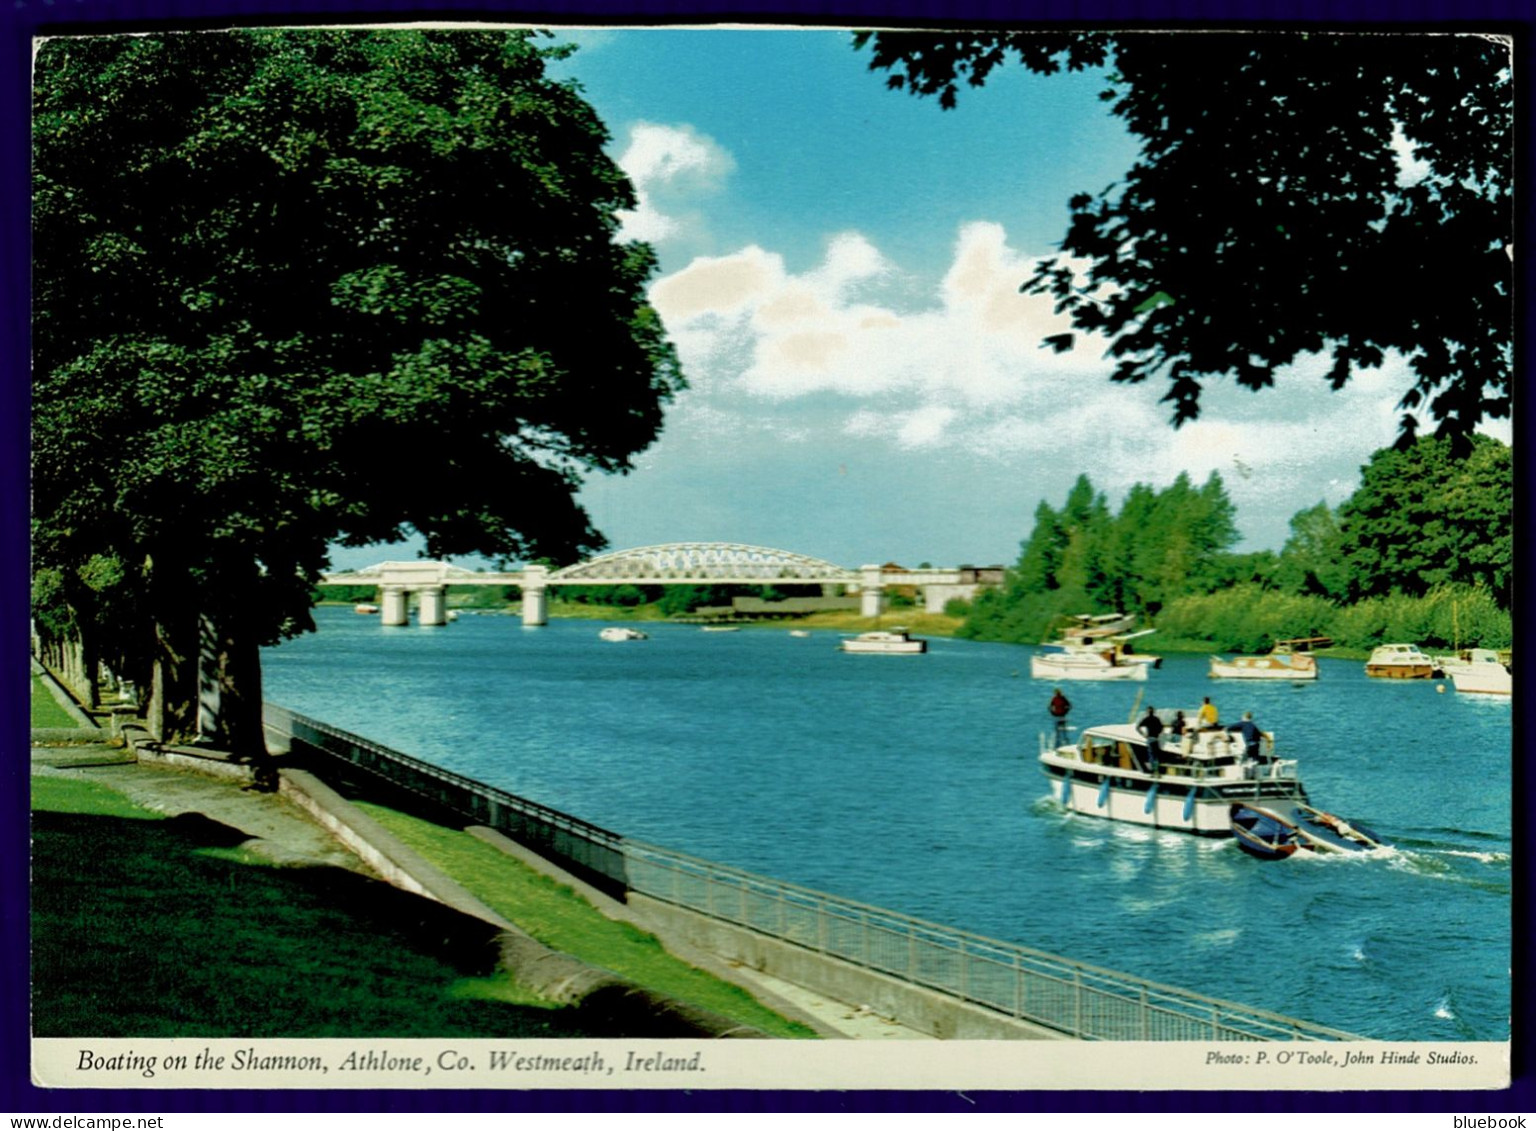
x: 299, y: 287
x: 1271, y: 215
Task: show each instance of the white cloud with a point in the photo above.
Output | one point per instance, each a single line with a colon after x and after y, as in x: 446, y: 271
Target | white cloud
x: 663, y: 162
x: 964, y: 373
x: 977, y: 343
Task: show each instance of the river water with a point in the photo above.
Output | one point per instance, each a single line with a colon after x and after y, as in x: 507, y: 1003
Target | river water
x: 911, y: 783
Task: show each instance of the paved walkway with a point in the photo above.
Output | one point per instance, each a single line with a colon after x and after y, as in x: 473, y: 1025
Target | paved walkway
x: 279, y: 831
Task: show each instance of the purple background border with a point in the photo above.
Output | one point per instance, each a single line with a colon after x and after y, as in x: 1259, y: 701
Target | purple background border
x: 22, y: 19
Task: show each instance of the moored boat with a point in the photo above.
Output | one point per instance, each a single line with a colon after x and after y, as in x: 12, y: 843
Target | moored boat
x: 1110, y: 632
x: 620, y: 633
x: 720, y: 628
x: 1488, y: 677
x: 365, y: 608
x: 1400, y: 661
x: 1084, y: 665
x: 896, y: 642
x: 1464, y: 659
x: 1281, y: 663
x: 1198, y: 782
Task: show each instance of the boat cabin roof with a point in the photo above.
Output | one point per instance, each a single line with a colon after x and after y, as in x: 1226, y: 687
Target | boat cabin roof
x: 1208, y: 745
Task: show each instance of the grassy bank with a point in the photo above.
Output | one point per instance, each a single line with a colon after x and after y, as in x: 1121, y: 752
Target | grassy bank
x: 145, y: 926
x: 560, y: 918
x: 151, y: 926
x: 46, y: 711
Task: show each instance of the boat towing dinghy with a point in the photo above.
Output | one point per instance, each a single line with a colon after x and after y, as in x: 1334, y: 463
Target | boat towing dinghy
x: 1273, y: 832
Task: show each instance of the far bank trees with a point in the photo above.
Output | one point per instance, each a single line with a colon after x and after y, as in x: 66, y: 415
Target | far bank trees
x: 1422, y: 551
x: 299, y: 287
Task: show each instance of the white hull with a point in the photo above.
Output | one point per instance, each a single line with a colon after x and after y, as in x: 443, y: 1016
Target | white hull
x: 884, y: 643
x: 1259, y: 667
x: 1049, y: 667
x: 1475, y: 679
x: 1211, y: 817
x: 621, y: 634
x: 907, y: 648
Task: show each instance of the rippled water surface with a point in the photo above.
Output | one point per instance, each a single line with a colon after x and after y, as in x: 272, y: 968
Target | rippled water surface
x: 910, y: 782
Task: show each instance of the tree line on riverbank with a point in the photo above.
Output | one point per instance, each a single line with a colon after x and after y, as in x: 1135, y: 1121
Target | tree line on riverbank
x: 1421, y: 552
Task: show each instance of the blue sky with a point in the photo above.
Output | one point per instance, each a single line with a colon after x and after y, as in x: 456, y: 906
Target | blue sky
x: 839, y: 271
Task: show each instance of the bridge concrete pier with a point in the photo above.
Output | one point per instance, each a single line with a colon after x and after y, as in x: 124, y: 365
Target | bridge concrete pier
x: 871, y: 592
x: 394, y: 604
x: 535, y: 596
x: 433, y: 609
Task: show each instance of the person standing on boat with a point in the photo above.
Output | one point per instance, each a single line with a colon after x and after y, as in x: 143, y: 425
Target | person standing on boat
x: 1207, y: 714
x: 1152, y: 727
x: 1251, y: 735
x: 1060, y: 707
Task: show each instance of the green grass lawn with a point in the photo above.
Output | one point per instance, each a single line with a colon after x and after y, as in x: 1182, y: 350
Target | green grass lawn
x: 560, y: 918
x: 46, y: 711
x: 145, y: 926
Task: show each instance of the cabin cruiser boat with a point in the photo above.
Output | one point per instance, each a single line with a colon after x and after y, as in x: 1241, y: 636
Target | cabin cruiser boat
x: 1273, y: 832
x: 894, y: 643
x: 1084, y: 665
x: 619, y: 633
x: 1085, y: 633
x: 365, y: 608
x: 1200, y: 782
x: 1484, y: 677
x: 1281, y: 663
x: 1465, y: 658
x: 1400, y: 661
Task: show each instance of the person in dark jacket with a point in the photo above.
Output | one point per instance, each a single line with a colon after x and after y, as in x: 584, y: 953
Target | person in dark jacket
x: 1251, y: 735
x: 1060, y: 707
x: 1152, y: 727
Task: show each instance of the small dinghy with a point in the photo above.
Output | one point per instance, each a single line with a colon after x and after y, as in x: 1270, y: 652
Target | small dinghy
x: 1275, y: 832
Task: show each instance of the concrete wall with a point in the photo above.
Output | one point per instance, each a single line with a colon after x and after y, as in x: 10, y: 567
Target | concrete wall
x: 914, y: 1007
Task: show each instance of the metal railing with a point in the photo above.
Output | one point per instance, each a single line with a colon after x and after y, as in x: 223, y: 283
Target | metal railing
x: 1079, y: 1000
x: 586, y: 848
x: 1072, y: 997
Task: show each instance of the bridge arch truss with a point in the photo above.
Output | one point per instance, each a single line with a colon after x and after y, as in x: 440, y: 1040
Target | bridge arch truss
x: 713, y: 563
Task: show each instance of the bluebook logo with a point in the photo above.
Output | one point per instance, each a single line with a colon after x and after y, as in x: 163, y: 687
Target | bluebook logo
x: 1476, y: 1122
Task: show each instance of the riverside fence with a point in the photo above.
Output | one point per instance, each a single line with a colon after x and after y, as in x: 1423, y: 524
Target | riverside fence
x: 1073, y: 998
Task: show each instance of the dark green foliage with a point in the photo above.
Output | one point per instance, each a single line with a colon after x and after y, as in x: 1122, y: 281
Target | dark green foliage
x: 1312, y: 560
x: 1160, y: 546
x: 1265, y: 219
x: 1421, y: 552
x: 348, y: 594
x: 618, y: 596
x: 1423, y: 519
x: 295, y: 287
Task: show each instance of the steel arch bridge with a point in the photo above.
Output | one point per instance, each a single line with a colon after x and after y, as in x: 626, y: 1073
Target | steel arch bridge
x: 714, y: 563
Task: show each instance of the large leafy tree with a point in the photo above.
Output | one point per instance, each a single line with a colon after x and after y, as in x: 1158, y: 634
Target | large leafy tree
x: 298, y: 287
x: 1269, y: 217
x: 1422, y: 519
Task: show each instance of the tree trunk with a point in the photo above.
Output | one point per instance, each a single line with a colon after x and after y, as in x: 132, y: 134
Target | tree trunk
x: 236, y: 672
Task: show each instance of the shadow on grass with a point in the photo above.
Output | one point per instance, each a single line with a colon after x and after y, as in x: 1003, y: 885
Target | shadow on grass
x: 160, y: 928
